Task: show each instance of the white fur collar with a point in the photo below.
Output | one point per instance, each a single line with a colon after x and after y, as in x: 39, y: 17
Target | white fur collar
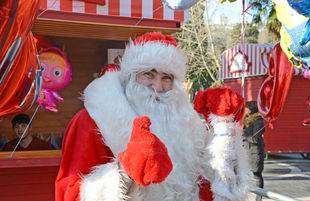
x: 108, y: 91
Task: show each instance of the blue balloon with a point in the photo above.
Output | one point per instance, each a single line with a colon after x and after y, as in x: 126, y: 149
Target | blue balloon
x: 300, y: 6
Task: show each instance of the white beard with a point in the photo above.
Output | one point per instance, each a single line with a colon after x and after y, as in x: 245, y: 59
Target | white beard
x: 171, y: 116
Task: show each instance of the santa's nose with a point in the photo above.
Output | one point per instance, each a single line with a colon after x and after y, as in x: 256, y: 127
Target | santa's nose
x: 157, y: 85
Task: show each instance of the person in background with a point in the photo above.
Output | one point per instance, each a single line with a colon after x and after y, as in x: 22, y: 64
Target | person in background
x: 28, y: 142
x: 254, y: 142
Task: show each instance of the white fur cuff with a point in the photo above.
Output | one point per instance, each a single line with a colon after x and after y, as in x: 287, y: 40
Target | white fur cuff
x: 104, y: 183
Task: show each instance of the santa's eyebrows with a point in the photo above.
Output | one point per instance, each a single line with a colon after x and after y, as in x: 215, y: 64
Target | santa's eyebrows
x: 155, y: 71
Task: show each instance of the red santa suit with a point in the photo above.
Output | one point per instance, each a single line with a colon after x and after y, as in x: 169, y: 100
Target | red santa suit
x: 88, y: 170
x: 99, y: 137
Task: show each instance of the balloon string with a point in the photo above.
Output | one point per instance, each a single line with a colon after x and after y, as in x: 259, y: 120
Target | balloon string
x: 258, y: 131
x: 23, y: 133
x: 243, y: 42
x: 145, y: 16
x: 46, y: 9
x: 243, y: 47
x: 245, y: 11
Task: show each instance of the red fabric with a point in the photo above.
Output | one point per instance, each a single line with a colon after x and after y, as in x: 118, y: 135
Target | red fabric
x: 205, y: 193
x: 83, y: 149
x: 146, y: 159
x: 109, y: 68
x: 220, y: 101
x: 100, y: 2
x: 42, y: 42
x: 155, y: 37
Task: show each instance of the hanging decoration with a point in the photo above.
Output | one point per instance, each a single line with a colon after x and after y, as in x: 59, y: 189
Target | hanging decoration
x: 272, y: 94
x: 42, y: 42
x: 303, y: 8
x: 20, y: 74
x: 223, y: 108
x: 295, y: 32
x: 179, y: 5
x: 56, y: 74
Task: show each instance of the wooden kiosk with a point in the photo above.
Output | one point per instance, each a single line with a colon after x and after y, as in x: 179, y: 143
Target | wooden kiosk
x: 85, y: 32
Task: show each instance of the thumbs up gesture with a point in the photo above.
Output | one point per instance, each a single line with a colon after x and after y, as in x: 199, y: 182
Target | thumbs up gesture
x: 146, y: 159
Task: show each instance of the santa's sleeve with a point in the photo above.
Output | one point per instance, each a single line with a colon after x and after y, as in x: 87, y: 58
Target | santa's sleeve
x: 83, y: 149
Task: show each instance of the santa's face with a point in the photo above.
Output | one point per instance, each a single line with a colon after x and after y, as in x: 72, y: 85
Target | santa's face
x: 158, y: 81
x: 146, y: 100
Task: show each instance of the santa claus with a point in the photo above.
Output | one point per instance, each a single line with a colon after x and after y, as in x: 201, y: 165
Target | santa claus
x: 138, y: 137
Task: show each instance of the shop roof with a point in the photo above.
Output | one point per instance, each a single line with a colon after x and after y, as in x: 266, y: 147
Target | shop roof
x: 256, y: 62
x: 116, y: 20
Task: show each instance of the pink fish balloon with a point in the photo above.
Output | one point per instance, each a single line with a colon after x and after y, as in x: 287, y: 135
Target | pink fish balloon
x: 56, y: 75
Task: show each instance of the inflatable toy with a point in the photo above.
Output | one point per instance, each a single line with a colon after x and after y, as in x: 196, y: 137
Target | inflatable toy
x: 56, y: 75
x: 20, y: 72
x: 291, y: 32
x: 303, y: 7
x: 272, y: 94
x: 179, y: 5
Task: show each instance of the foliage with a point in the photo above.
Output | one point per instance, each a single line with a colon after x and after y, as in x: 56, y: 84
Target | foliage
x: 265, y: 12
x: 203, y: 44
x: 251, y: 34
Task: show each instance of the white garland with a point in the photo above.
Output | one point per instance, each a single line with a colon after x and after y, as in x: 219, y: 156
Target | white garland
x: 228, y: 161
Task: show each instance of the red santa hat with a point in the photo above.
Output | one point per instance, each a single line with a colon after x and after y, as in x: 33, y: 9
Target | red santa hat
x: 154, y: 51
x: 109, y: 68
x: 220, y: 101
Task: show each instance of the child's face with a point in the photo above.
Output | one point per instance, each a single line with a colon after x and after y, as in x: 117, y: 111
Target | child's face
x: 53, y: 75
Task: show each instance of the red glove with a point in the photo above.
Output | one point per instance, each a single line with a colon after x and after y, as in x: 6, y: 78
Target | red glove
x: 146, y: 159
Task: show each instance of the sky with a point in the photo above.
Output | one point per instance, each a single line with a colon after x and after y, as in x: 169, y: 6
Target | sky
x: 231, y: 10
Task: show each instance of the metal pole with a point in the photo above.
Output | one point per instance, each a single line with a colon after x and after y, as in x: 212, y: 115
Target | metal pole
x: 270, y: 194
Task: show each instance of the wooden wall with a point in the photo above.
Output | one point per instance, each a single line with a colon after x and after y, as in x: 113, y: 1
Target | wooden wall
x: 86, y: 56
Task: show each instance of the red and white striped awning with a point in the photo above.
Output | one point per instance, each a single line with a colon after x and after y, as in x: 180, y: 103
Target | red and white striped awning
x: 123, y: 8
x: 116, y: 20
x: 256, y: 62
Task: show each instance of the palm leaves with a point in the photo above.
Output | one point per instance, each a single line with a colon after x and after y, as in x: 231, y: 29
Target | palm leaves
x: 264, y: 12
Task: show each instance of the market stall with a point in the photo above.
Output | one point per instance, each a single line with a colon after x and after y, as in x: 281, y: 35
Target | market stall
x: 85, y: 32
x: 289, y: 134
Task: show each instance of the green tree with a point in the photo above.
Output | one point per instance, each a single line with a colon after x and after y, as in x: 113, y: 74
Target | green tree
x: 251, y: 34
x: 203, y: 44
x: 263, y: 11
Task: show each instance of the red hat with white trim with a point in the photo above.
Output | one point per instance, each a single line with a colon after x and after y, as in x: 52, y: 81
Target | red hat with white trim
x: 154, y: 51
x: 221, y: 102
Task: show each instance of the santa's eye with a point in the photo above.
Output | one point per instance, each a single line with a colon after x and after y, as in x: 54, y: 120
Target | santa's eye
x: 57, y: 73
x: 42, y: 68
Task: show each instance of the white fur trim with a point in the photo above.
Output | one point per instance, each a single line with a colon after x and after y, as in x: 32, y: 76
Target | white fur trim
x: 116, y: 134
x: 104, y: 183
x: 153, y: 54
x: 228, y: 161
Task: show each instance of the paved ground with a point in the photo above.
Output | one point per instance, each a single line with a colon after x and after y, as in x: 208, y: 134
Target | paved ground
x: 288, y: 175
